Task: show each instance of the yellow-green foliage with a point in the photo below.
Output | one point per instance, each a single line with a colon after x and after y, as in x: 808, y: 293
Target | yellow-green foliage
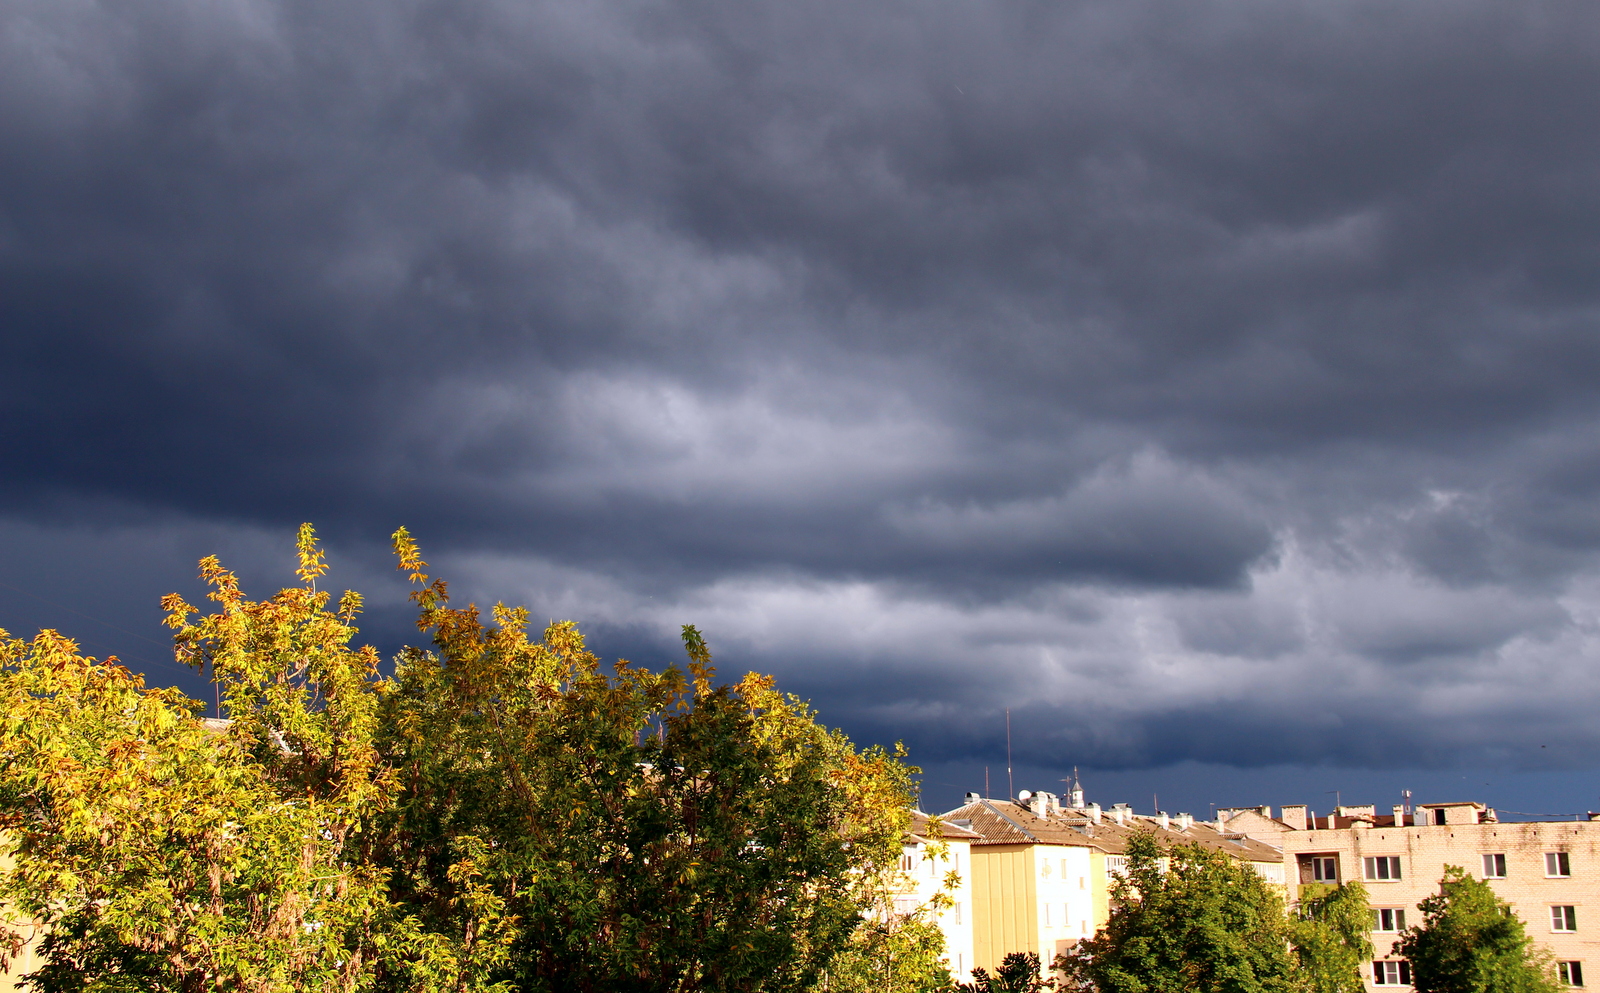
x: 501, y: 813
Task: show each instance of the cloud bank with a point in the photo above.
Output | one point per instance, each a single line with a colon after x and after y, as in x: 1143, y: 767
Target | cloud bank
x: 1208, y: 381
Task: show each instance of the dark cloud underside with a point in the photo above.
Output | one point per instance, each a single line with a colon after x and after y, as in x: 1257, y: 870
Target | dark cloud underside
x: 1193, y: 378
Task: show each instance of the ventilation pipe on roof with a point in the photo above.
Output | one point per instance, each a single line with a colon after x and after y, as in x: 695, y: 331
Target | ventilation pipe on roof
x: 1120, y: 812
x: 1184, y: 820
x: 973, y: 798
x: 1094, y: 813
x: 1162, y: 821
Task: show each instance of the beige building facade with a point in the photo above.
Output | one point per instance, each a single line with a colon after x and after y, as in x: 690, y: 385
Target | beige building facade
x: 1548, y: 871
x: 931, y: 852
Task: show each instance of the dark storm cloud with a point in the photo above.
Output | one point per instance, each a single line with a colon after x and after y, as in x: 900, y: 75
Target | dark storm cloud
x: 1191, y: 370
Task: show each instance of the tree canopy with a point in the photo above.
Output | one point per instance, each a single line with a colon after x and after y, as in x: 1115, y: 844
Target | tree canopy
x: 1469, y: 941
x: 1186, y: 919
x: 1329, y: 935
x: 500, y: 813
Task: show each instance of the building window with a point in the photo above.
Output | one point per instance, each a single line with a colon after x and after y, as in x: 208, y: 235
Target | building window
x: 1047, y: 915
x: 1116, y: 865
x: 905, y: 905
x: 907, y: 863
x: 1438, y: 816
x: 1381, y: 867
x: 1494, y: 867
x: 957, y: 909
x: 1391, y: 972
x: 1557, y: 864
x: 1570, y: 973
x: 1389, y: 919
x: 1563, y: 918
x: 1325, y: 869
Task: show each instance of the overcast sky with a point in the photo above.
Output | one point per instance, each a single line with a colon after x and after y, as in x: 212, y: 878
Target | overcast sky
x: 1210, y: 382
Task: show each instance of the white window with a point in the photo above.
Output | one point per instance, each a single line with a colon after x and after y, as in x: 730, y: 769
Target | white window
x: 1047, y: 915
x: 1063, y: 869
x: 907, y: 863
x: 1570, y: 973
x: 1391, y: 972
x: 1557, y: 864
x: 905, y: 904
x: 1325, y: 869
x: 1388, y: 919
x: 1381, y: 867
x: 1116, y: 865
x: 1563, y: 918
x: 1494, y: 867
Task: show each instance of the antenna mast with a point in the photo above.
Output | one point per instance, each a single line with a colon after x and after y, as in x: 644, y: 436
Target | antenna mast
x: 1011, y: 785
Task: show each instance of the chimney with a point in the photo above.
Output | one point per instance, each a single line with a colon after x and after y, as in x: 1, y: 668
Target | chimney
x: 1184, y: 822
x: 1094, y: 813
x: 1039, y: 804
x: 1294, y: 815
x: 1119, y: 813
x: 1399, y: 815
x: 973, y: 798
x: 1161, y: 819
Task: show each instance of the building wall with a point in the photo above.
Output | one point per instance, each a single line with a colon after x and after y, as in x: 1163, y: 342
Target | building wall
x: 1424, y: 851
x: 1004, y: 903
x: 26, y: 961
x: 1065, y: 898
x: 925, y: 878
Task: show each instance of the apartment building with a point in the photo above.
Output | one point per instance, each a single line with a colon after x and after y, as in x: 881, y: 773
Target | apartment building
x: 930, y: 851
x: 1548, y: 871
x: 1042, y: 872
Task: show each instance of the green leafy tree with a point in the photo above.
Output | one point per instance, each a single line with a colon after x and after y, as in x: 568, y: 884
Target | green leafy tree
x: 1018, y: 973
x: 1469, y: 941
x: 897, y: 951
x: 900, y: 953
x: 1186, y: 919
x: 1329, y: 936
x: 503, y: 813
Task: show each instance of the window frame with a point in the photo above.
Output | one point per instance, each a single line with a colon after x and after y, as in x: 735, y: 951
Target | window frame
x: 1570, y: 972
x: 1397, y: 917
x: 1563, y: 918
x: 1499, y: 863
x: 1557, y: 865
x: 1370, y: 869
x: 1317, y: 864
x: 1401, y: 970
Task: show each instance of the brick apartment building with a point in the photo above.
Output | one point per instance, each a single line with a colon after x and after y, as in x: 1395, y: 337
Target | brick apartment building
x: 1548, y: 871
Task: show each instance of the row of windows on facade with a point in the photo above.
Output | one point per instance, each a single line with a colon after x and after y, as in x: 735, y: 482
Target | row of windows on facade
x: 1397, y: 972
x: 1325, y: 868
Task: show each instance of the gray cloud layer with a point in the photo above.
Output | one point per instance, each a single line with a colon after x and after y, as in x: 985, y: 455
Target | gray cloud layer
x: 1208, y: 380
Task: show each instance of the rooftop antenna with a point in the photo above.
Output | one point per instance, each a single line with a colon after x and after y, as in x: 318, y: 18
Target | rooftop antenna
x: 986, y: 792
x: 1011, y: 786
x: 1337, y: 799
x: 1405, y: 799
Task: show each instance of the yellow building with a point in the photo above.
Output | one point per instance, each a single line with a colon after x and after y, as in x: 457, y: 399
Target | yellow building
x: 1042, y: 872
